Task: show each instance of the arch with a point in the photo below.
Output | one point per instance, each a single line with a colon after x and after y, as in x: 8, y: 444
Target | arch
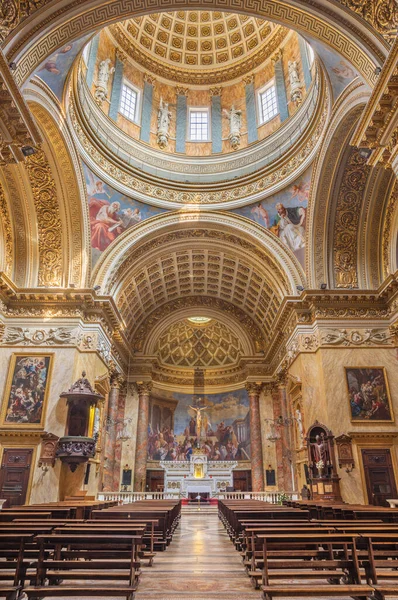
x: 335, y: 25
x: 320, y: 229
x: 260, y: 241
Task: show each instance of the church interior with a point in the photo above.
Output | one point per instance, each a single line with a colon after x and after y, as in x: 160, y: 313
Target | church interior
x: 199, y: 299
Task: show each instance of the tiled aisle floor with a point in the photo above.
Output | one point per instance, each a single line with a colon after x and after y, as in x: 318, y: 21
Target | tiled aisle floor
x: 200, y: 564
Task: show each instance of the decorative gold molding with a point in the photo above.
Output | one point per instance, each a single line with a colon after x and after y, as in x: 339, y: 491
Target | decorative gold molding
x: 347, y: 215
x: 7, y: 231
x: 382, y: 15
x: 48, y: 218
x: 377, y: 129
x: 72, y: 211
x: 387, y: 230
x: 13, y: 12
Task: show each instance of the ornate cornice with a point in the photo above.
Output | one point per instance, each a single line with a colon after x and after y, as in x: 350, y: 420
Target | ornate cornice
x: 377, y: 129
x: 18, y: 129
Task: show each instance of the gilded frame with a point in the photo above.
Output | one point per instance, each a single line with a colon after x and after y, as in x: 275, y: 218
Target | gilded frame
x: 7, y: 391
x: 387, y: 391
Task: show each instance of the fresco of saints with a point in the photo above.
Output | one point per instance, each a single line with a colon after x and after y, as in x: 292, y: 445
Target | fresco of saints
x: 289, y: 226
x: 107, y: 219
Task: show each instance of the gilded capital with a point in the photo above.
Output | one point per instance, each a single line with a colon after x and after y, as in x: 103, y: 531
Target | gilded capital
x: 248, y: 79
x: 253, y: 388
x: 120, y: 55
x: 149, y: 78
x: 215, y: 91
x: 144, y: 388
x: 181, y: 91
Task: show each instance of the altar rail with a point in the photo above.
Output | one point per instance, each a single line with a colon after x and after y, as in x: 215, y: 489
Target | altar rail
x: 128, y: 497
x: 271, y: 497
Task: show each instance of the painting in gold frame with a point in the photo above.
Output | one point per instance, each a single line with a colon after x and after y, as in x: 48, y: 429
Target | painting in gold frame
x: 26, y: 391
x: 369, y: 395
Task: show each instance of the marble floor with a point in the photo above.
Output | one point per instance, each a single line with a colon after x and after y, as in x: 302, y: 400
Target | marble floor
x: 200, y: 564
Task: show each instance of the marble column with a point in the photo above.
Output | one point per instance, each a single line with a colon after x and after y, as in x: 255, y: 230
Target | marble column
x: 110, y: 440
x: 284, y: 446
x: 118, y: 443
x: 141, y: 448
x: 253, y: 390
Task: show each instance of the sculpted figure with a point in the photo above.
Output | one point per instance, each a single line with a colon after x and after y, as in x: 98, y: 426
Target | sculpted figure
x: 104, y: 72
x: 234, y: 116
x: 164, y: 116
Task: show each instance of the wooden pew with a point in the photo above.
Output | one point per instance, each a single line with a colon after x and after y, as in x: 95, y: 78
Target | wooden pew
x: 85, y: 565
x: 335, y: 544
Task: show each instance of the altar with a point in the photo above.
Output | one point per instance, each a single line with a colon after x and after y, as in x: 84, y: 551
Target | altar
x: 198, y: 475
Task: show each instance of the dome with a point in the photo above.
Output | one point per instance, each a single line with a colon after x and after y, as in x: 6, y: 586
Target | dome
x: 198, y: 47
x: 185, y: 344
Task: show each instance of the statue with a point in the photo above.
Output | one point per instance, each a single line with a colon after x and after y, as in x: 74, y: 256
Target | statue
x: 164, y: 116
x: 198, y: 419
x: 235, y: 123
x: 293, y: 73
x: 296, y: 94
x: 104, y: 72
x: 320, y: 455
x: 300, y: 426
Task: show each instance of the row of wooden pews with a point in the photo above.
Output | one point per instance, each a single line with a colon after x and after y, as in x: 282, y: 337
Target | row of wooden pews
x: 56, y: 554
x: 289, y: 554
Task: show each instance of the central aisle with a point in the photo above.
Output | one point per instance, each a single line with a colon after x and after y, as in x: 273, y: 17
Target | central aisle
x: 200, y: 564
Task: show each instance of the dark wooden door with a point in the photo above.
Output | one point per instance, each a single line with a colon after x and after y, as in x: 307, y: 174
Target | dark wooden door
x: 379, y: 474
x: 14, y: 475
x: 242, y: 481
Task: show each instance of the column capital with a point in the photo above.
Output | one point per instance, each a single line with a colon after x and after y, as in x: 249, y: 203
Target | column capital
x: 181, y: 91
x: 215, y: 91
x: 149, y: 78
x: 120, y: 55
x: 253, y: 388
x: 248, y: 79
x: 277, y: 55
x: 144, y: 387
x: 116, y: 380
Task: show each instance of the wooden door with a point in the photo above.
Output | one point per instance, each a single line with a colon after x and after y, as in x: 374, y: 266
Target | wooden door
x: 379, y: 475
x: 14, y: 475
x: 242, y: 481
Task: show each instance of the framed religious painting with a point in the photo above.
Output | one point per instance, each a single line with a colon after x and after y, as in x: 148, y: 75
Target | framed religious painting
x: 26, y: 391
x: 369, y: 395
